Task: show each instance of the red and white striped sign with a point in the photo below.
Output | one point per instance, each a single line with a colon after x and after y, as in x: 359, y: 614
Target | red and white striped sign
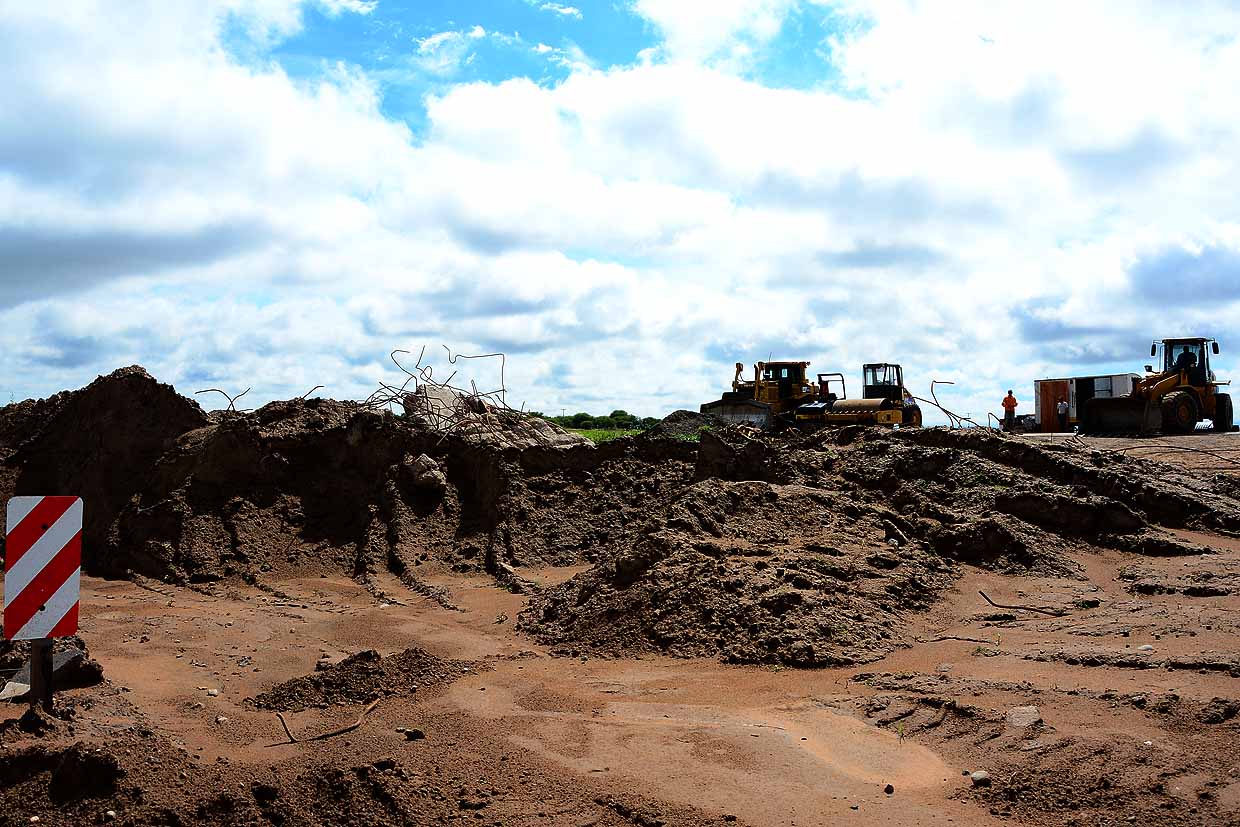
x: 42, y: 567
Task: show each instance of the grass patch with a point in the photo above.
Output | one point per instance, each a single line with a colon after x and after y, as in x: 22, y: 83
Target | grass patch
x: 596, y: 436
x: 696, y: 436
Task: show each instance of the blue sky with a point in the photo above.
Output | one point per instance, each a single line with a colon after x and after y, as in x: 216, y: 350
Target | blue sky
x: 625, y: 196
x: 384, y: 43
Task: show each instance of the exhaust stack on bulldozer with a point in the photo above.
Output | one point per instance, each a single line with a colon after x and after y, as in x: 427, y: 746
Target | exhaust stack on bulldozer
x: 1173, y: 399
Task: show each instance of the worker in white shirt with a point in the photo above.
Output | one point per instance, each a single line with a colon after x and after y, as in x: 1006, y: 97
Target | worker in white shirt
x: 1061, y: 408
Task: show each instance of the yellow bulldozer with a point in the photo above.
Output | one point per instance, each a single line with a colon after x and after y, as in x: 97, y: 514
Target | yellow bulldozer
x: 781, y: 395
x: 1172, y: 399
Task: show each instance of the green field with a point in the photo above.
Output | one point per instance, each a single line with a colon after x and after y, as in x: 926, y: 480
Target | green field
x: 596, y: 435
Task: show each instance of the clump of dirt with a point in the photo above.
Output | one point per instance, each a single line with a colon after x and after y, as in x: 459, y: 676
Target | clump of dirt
x: 65, y: 776
x: 98, y: 442
x: 363, y: 677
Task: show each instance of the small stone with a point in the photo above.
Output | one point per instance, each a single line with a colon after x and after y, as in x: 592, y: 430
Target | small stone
x: 34, y: 819
x: 213, y: 693
x: 1022, y: 717
x: 221, y: 720
x: 981, y: 778
x: 889, y: 789
x: 1145, y: 647
x: 414, y: 735
x: 110, y: 815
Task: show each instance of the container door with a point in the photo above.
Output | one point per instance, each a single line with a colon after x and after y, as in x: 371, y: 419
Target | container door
x: 1052, y: 391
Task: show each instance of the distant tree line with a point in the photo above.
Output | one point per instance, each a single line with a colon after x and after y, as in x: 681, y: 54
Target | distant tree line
x: 614, y: 421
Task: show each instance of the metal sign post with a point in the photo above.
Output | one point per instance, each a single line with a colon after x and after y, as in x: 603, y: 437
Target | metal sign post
x: 42, y: 570
x: 41, y: 673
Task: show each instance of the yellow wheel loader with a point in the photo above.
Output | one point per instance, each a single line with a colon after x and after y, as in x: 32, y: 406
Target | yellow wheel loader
x: 1173, y: 399
x: 780, y: 395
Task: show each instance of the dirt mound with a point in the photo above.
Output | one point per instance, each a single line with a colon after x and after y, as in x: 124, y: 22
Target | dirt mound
x: 361, y: 678
x: 319, y: 483
x: 304, y: 484
x: 579, y: 506
x: 730, y: 574
x: 682, y: 425
x: 310, y: 485
x: 811, y: 550
x: 97, y: 442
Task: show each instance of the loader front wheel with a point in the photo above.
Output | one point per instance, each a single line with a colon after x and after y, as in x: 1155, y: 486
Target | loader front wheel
x: 1179, y: 412
x: 1222, y: 412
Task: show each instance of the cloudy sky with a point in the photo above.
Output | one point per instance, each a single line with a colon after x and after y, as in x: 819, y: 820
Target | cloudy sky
x: 625, y: 196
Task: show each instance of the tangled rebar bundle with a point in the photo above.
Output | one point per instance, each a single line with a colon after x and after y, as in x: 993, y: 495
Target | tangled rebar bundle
x: 955, y: 420
x: 445, y: 408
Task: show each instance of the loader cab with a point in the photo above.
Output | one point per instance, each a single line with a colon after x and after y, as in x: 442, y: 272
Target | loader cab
x: 1191, y: 355
x: 882, y: 381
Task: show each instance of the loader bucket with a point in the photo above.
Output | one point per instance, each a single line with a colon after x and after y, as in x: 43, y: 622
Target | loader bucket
x: 741, y: 411
x: 1120, y: 415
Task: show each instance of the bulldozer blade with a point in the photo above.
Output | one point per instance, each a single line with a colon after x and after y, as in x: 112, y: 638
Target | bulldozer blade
x: 748, y: 412
x: 1121, y: 415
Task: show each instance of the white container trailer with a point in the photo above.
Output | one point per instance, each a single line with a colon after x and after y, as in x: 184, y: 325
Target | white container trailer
x: 1077, y: 390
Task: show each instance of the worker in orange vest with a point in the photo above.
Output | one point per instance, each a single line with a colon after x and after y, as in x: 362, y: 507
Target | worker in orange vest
x: 1009, y: 411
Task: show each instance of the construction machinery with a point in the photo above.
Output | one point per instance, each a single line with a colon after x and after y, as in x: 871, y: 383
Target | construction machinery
x: 1172, y: 399
x: 781, y: 395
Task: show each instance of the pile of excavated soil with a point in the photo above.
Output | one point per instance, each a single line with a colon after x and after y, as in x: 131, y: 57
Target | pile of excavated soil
x: 810, y: 551
x: 682, y: 425
x: 294, y: 485
x: 797, y: 549
x: 752, y: 572
x: 361, y: 678
x: 317, y: 485
x: 583, y: 505
x: 98, y: 443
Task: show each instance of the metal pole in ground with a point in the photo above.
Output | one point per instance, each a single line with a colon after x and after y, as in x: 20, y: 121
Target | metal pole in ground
x: 41, y: 673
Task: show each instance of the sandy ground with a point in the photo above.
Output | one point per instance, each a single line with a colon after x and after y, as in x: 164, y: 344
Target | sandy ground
x: 772, y: 747
x: 560, y: 740
x: 1200, y: 451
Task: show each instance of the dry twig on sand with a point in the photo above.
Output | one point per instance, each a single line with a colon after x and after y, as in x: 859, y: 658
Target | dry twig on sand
x: 1051, y: 612
x: 293, y: 739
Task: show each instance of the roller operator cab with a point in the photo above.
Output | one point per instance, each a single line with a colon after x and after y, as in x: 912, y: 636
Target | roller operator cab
x: 884, y: 401
x: 1179, y: 390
